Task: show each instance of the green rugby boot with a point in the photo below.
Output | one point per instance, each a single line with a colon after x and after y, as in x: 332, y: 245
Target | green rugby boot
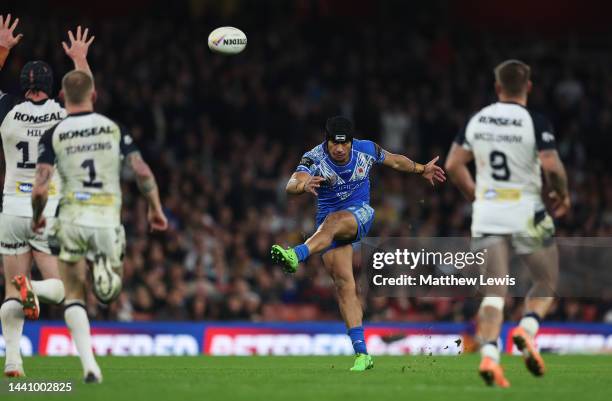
x: 287, y: 258
x: 362, y: 362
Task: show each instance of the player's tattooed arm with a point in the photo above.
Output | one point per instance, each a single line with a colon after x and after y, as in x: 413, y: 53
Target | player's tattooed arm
x: 78, y: 48
x: 302, y: 182
x: 556, y: 177
x: 430, y: 171
x: 148, y: 188
x: 144, y: 175
x: 8, y: 39
x: 40, y: 194
x: 456, y: 166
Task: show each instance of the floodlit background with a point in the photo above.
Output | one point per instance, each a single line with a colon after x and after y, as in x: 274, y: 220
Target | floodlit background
x: 223, y: 134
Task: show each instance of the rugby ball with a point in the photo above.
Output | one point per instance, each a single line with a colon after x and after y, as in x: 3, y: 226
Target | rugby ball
x: 227, y: 40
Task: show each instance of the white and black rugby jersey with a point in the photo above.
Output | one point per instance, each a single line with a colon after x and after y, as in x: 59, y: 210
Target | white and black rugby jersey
x: 505, y: 139
x: 22, y: 124
x: 87, y: 150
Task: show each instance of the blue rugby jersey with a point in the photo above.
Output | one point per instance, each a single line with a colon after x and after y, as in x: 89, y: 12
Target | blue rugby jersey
x: 344, y: 185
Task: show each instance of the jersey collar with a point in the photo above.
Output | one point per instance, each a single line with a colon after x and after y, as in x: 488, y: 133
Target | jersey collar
x: 510, y: 102
x: 80, y: 113
x: 38, y: 102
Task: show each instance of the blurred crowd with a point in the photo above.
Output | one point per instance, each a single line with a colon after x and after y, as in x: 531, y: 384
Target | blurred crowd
x: 223, y: 135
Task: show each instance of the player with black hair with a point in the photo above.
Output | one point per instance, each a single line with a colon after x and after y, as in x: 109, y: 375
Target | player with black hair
x: 337, y: 173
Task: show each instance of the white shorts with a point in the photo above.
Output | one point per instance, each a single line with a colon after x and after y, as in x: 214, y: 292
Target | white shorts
x: 17, y: 237
x: 539, y: 234
x: 77, y: 242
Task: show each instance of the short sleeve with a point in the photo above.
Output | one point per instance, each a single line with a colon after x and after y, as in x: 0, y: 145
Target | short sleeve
x: 461, y: 139
x: 544, y: 134
x: 371, y: 148
x: 374, y: 150
x: 127, y: 144
x: 46, y: 153
x: 311, y: 159
x: 379, y: 153
x: 306, y: 165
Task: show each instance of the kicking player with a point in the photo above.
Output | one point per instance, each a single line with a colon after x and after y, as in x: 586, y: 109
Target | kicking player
x: 337, y: 173
x: 510, y: 144
x: 23, y: 120
x: 87, y: 149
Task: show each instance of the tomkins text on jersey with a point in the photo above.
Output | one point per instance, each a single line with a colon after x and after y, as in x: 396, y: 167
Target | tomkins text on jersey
x: 87, y: 149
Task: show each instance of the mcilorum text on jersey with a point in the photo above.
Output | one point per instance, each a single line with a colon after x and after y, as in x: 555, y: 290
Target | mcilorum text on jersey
x: 505, y: 139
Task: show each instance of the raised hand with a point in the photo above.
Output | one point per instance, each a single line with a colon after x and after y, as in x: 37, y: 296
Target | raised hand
x: 79, y: 45
x: 7, y: 32
x: 433, y: 173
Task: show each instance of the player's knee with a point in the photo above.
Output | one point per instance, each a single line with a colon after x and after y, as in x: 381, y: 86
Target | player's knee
x: 344, y: 284
x: 547, y: 280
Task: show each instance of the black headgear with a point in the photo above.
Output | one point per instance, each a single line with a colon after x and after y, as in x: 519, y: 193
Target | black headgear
x: 36, y: 75
x: 339, y: 129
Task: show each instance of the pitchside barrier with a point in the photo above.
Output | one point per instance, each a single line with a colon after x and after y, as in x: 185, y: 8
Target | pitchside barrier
x: 52, y: 338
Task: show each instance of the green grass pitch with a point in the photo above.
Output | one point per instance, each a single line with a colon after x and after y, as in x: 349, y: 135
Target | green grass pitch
x: 575, y: 378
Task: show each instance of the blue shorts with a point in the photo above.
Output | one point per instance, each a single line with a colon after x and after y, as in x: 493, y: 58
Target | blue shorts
x: 364, y: 214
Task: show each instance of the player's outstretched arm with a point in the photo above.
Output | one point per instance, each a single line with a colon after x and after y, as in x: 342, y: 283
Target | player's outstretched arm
x: 302, y: 182
x: 148, y: 188
x: 430, y: 171
x: 8, y: 39
x: 78, y: 48
x: 456, y: 166
x: 555, y: 174
x: 40, y: 194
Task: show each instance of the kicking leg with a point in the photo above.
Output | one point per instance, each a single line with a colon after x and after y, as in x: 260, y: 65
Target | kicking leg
x: 340, y: 225
x: 339, y: 264
x: 11, y: 312
x: 74, y: 275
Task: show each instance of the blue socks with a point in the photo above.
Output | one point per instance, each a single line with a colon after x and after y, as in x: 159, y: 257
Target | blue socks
x: 302, y: 252
x: 358, y: 340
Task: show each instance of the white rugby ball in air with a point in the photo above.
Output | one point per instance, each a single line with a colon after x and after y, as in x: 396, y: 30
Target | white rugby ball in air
x: 227, y: 40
